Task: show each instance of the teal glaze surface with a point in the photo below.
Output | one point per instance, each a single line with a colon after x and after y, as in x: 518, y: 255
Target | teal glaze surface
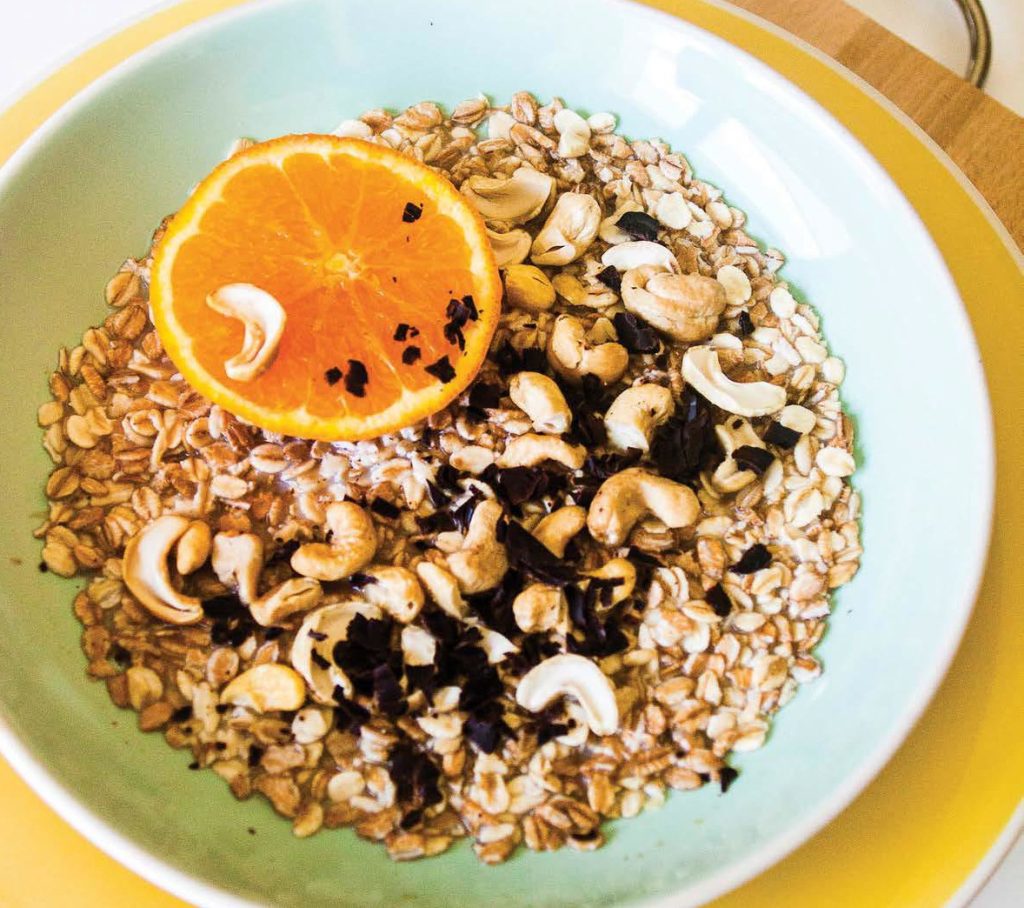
x: 88, y: 190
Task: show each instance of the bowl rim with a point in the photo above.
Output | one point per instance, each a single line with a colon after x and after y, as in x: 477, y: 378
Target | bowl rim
x: 151, y: 866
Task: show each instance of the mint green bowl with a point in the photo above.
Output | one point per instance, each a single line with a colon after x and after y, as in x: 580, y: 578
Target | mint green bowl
x: 88, y: 189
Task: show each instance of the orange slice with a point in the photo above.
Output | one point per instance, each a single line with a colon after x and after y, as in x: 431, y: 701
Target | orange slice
x: 383, y: 270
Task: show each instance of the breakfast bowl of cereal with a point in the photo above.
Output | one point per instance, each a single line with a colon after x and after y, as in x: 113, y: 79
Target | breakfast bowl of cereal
x: 414, y: 496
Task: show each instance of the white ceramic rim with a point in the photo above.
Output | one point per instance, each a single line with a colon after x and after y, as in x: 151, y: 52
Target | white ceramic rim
x: 151, y: 867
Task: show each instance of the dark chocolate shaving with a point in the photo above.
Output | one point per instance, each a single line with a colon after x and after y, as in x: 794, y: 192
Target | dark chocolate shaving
x: 639, y: 225
x: 410, y: 355
x: 781, y: 436
x: 356, y: 378
x: 441, y: 370
x: 411, y: 213
x: 333, y: 375
x: 748, y: 457
x: 610, y: 277
x: 754, y: 559
x: 719, y: 600
x: 635, y: 334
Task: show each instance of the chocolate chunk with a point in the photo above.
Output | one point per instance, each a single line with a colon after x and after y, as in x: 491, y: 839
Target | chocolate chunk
x: 387, y: 691
x: 410, y: 355
x: 748, y: 457
x: 639, y: 225
x: 517, y: 485
x: 411, y: 213
x: 441, y: 370
x: 182, y: 714
x: 333, y: 375
x: 726, y: 776
x: 781, y: 436
x: 610, y: 277
x: 485, y: 396
x: 719, y: 600
x: 385, y: 508
x: 356, y: 379
x: 635, y: 334
x: 686, y: 443
x: 402, y: 331
x: 746, y: 324
x: 754, y: 559
x: 509, y: 360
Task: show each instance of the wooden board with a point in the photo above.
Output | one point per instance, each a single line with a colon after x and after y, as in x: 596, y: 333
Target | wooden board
x: 984, y: 138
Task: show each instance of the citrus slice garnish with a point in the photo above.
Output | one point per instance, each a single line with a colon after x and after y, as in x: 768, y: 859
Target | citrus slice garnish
x: 384, y: 272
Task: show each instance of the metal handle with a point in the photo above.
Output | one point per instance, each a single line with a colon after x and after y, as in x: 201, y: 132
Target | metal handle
x: 981, y: 41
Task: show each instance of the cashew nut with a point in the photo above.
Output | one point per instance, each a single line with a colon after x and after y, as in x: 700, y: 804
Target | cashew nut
x: 572, y: 357
x: 237, y: 561
x: 531, y: 449
x: 312, y: 654
x: 572, y: 290
x: 482, y: 561
x: 353, y: 543
x: 443, y: 588
x: 686, y: 307
x: 557, y: 529
x: 569, y: 230
x: 735, y: 433
x: 513, y: 200
x: 617, y: 569
x: 627, y: 256
x: 577, y: 677
x: 266, y: 687
x: 148, y: 575
x: 538, y: 607
x: 573, y: 133
x: 496, y: 646
x: 418, y: 646
x: 394, y: 589
x: 635, y: 414
x: 625, y: 497
x: 295, y: 595
x: 542, y: 400
x: 509, y: 248
x: 527, y: 287
x: 193, y: 547
x: 263, y: 318
x: 702, y: 370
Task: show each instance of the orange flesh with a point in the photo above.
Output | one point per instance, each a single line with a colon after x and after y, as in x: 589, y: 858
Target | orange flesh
x: 323, y: 232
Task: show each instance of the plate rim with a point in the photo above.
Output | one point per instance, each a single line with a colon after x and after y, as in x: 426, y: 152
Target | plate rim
x: 214, y: 13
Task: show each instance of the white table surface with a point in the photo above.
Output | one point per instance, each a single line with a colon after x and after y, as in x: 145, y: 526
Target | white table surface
x: 38, y: 36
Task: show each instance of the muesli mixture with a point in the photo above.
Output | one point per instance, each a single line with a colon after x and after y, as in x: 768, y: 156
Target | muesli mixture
x: 588, y: 581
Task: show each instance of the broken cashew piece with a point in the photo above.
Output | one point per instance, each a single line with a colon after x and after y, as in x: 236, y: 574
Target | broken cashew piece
x: 538, y: 607
x: 394, y: 589
x: 702, y: 370
x: 312, y: 654
x: 685, y: 307
x: 637, y: 254
x: 193, y: 547
x: 540, y: 398
x: 443, y: 588
x: 616, y: 569
x: 509, y: 248
x: 577, y: 677
x: 573, y: 357
x: 482, y: 561
x: 635, y: 414
x: 148, y: 575
x: 531, y: 449
x: 418, y: 646
x: 263, y: 318
x: 527, y: 287
x: 735, y: 433
x: 265, y: 688
x: 299, y: 594
x: 625, y: 497
x: 569, y: 230
x: 353, y: 542
x: 556, y: 530
x: 237, y: 560
x: 511, y: 200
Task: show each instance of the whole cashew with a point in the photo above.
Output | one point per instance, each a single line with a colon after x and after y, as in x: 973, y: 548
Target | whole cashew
x: 193, y: 547
x: 556, y: 529
x: 394, y: 589
x: 509, y: 248
x: 237, y: 561
x: 482, y: 561
x: 542, y: 400
x: 527, y: 287
x: 538, y: 607
x: 267, y: 687
x: 625, y: 497
x: 512, y: 200
x: 640, y: 253
x: 530, y: 449
x: 353, y: 543
x: 263, y: 318
x: 702, y: 370
x: 575, y: 676
x: 148, y: 575
x: 573, y: 358
x: 686, y: 307
x: 635, y: 414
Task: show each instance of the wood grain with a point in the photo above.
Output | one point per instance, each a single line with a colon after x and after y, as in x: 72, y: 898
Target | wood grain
x: 984, y: 138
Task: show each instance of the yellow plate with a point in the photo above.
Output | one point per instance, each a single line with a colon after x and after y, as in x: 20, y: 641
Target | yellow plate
x: 916, y: 833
